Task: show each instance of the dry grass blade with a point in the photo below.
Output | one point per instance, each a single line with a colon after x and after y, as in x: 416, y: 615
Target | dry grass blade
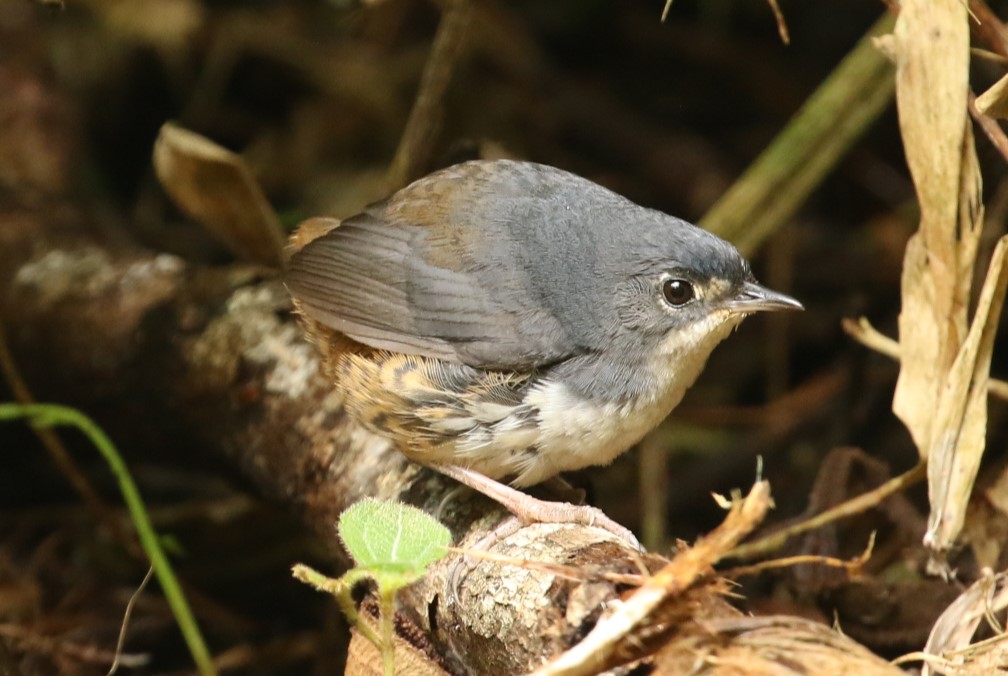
x: 994, y: 101
x: 215, y: 186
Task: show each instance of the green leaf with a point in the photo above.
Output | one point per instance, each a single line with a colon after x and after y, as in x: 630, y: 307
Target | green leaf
x: 390, y: 538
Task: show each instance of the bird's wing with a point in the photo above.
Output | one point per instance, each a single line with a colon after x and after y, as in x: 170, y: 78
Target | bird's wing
x: 434, y: 290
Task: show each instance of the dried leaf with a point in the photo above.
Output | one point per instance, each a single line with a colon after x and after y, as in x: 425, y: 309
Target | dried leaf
x: 215, y: 186
x: 916, y: 389
x: 954, y: 630
x: 931, y: 47
x: 942, y: 389
x: 961, y: 417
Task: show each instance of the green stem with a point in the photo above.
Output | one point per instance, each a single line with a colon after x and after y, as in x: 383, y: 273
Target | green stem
x: 778, y: 182
x: 342, y: 590
x: 386, y: 622
x: 54, y: 414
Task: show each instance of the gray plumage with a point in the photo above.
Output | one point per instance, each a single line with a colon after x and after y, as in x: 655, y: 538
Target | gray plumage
x: 527, y: 321
x: 506, y: 265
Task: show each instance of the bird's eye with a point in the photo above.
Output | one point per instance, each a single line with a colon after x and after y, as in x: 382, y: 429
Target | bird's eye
x: 678, y: 292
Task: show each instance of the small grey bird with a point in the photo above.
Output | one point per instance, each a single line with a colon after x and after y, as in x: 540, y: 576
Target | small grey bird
x: 510, y: 320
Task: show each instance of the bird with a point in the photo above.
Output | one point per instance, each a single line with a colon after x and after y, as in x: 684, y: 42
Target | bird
x: 504, y: 321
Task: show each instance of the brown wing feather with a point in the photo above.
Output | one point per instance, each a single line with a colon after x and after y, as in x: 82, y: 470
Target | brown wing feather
x: 394, y: 279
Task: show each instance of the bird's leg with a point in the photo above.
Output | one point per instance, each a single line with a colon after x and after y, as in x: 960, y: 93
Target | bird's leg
x: 530, y: 510
x: 526, y: 509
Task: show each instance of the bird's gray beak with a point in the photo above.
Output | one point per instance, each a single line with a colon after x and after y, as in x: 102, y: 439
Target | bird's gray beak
x: 755, y: 298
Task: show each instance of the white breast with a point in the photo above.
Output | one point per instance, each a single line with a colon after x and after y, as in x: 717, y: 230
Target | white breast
x: 573, y: 432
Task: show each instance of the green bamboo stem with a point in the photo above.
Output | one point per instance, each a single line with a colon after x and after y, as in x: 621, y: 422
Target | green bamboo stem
x: 778, y: 182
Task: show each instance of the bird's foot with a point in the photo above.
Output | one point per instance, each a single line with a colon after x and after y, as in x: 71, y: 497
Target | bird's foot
x: 526, y: 509
x: 531, y: 510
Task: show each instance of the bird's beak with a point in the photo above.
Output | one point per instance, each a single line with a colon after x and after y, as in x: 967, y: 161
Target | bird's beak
x: 755, y: 298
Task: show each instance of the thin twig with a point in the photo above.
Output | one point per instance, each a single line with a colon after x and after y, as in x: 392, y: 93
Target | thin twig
x: 789, y: 561
x: 665, y: 10
x: 995, y: 134
x: 989, y: 28
x: 864, y: 333
x: 418, y: 137
x: 126, y: 618
x: 851, y: 507
x: 51, y: 442
x: 782, y: 28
